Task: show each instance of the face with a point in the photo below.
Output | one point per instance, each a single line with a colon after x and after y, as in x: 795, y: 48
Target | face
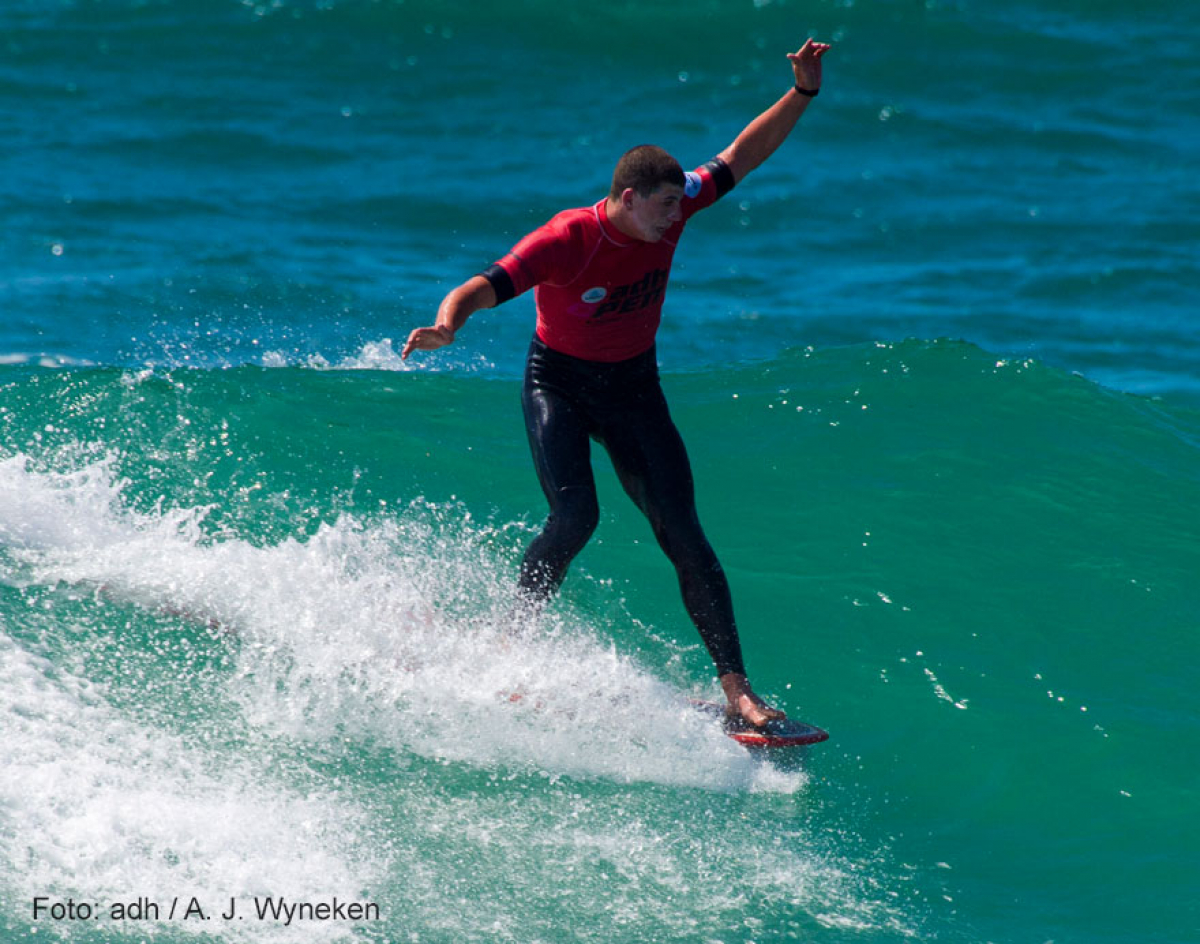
x: 657, y: 213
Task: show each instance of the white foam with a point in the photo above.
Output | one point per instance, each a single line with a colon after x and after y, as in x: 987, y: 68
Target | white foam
x: 377, y: 355
x: 393, y: 631
x: 100, y: 809
x: 385, y: 636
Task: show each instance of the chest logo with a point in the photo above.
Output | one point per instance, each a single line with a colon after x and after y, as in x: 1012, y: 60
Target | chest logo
x: 594, y: 295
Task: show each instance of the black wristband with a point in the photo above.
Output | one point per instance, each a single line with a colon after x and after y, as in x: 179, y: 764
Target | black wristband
x: 811, y: 93
x: 502, y: 283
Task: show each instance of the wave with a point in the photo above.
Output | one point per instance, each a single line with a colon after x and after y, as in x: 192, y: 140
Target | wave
x: 293, y: 586
x: 364, y: 622
x: 369, y: 677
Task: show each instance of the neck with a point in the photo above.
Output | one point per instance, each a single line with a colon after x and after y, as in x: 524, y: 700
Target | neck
x: 619, y: 217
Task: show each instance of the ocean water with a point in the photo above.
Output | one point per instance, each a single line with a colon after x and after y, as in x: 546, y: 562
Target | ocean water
x: 937, y: 367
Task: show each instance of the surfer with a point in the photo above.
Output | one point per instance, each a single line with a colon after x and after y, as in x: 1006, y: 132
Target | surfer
x: 600, y: 276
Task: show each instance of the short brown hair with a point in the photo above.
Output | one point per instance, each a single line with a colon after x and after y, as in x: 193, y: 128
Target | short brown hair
x: 645, y: 168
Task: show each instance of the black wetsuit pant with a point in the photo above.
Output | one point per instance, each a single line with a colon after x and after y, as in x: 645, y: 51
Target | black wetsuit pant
x: 568, y: 402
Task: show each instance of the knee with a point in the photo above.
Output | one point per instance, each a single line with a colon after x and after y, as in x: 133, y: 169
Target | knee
x: 574, y: 517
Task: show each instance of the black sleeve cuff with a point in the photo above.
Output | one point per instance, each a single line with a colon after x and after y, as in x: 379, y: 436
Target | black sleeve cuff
x: 722, y: 176
x: 502, y: 283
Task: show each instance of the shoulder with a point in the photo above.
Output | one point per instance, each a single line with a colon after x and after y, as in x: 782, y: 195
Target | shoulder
x: 580, y: 221
x: 565, y: 226
x: 564, y: 234
x: 551, y: 252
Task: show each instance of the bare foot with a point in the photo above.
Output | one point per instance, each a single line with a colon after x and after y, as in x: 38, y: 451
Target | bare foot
x: 744, y: 704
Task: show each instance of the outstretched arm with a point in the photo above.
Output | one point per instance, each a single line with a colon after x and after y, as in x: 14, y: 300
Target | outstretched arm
x: 456, y: 308
x: 764, y: 134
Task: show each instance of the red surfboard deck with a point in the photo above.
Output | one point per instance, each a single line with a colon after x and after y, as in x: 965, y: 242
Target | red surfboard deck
x: 785, y: 733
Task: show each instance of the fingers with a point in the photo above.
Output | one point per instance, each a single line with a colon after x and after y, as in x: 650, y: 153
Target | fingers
x: 413, y: 342
x: 810, y: 50
x: 425, y: 339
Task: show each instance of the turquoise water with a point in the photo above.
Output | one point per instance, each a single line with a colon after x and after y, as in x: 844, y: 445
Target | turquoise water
x: 936, y: 367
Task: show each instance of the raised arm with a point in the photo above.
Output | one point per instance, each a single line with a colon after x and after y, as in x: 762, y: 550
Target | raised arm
x: 456, y: 308
x: 760, y: 139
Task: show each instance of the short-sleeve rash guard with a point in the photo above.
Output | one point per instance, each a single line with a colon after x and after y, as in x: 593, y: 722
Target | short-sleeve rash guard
x: 598, y: 292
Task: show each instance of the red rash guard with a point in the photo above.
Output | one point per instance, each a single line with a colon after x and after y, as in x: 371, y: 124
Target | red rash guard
x: 599, y: 293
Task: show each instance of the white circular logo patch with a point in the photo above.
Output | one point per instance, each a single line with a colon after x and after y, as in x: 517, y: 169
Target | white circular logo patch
x: 594, y: 295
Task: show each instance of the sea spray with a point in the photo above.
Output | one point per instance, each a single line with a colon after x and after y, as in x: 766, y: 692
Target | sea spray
x: 362, y: 629
x: 337, y: 651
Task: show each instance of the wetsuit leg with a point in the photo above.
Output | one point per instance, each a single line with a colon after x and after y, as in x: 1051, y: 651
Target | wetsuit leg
x: 558, y: 438
x: 652, y: 463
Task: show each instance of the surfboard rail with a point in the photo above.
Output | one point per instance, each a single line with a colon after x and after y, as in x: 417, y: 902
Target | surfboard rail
x: 787, y: 732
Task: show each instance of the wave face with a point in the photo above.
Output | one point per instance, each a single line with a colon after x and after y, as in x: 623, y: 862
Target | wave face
x: 253, y: 612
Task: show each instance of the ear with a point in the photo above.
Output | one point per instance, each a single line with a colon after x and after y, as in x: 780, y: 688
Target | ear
x: 627, y: 196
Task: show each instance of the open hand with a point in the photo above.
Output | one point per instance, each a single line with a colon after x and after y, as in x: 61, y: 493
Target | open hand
x: 806, y: 63
x: 427, y: 339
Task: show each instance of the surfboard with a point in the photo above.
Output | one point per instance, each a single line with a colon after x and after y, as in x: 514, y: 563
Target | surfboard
x: 785, y: 733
